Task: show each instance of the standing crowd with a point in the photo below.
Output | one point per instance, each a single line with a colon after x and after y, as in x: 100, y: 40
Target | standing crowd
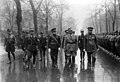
x: 70, y: 43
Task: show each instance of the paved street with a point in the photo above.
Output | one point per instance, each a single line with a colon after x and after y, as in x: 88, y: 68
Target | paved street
x: 106, y: 69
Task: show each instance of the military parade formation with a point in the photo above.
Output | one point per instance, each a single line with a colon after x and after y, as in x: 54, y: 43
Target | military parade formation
x: 34, y: 47
x: 110, y: 42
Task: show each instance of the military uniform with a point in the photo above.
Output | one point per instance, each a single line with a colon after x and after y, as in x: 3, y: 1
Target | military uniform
x: 32, y: 47
x: 10, y: 45
x: 54, y: 43
x: 71, y: 47
x: 81, y: 44
x: 42, y: 46
x: 90, y: 46
x: 63, y: 44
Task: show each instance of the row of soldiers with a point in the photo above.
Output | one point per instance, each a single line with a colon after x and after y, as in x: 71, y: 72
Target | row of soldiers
x: 70, y: 43
x: 110, y: 42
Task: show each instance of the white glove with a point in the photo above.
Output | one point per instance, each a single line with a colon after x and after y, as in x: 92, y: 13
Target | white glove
x: 59, y: 49
x: 49, y: 49
x: 83, y: 49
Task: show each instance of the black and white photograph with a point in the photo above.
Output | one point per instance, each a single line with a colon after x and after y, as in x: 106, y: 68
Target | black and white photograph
x: 59, y: 40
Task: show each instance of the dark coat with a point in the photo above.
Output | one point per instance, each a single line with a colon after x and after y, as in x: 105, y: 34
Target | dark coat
x: 42, y: 43
x: 9, y: 43
x: 32, y: 44
x: 81, y: 42
x: 54, y: 44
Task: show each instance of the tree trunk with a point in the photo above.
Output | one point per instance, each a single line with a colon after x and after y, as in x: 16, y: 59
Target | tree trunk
x: 46, y: 29
x: 35, y: 23
x: 19, y: 16
x: 100, y: 24
x: 114, y: 19
x: 34, y: 18
x: 106, y: 17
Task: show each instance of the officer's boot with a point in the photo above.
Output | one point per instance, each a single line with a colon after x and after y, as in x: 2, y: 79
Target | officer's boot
x: 83, y: 56
x: 93, y: 62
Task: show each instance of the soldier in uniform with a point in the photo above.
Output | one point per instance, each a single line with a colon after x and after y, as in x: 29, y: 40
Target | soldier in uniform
x: 9, y: 45
x: 71, y: 47
x: 54, y: 43
x: 81, y: 43
x: 63, y: 44
x: 32, y: 47
x: 91, y: 46
x: 23, y: 42
x: 42, y: 46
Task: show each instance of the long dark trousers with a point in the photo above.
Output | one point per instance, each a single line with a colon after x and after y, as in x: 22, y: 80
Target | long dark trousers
x: 54, y: 55
x: 9, y: 55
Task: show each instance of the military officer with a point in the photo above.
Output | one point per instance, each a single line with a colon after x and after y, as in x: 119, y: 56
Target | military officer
x: 54, y: 43
x: 10, y: 45
x: 63, y: 44
x: 91, y: 46
x: 71, y: 47
x: 81, y: 43
x: 42, y: 46
x: 32, y: 46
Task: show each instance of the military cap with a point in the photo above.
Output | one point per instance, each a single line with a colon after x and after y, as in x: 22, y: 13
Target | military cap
x: 66, y: 31
x: 70, y: 31
x: 69, y: 28
x: 8, y: 30
x: 82, y: 30
x: 53, y: 30
x: 23, y: 31
x: 31, y: 30
x: 90, y: 28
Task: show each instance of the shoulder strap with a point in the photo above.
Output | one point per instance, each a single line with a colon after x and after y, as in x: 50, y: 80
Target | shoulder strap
x: 54, y: 39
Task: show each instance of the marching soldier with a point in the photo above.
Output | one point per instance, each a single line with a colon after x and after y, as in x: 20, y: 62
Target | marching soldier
x: 81, y: 40
x: 42, y: 46
x: 71, y: 47
x: 63, y: 44
x: 54, y: 44
x: 75, y: 43
x: 24, y: 43
x: 10, y: 45
x: 32, y: 46
x: 91, y: 46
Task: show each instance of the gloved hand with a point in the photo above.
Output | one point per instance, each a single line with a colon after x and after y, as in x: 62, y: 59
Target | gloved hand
x: 83, y: 49
x: 59, y: 49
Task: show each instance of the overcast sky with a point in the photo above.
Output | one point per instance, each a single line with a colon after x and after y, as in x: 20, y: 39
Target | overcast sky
x: 80, y: 9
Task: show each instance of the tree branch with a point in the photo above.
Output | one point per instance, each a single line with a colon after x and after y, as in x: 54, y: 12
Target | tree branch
x: 37, y: 9
x: 26, y: 3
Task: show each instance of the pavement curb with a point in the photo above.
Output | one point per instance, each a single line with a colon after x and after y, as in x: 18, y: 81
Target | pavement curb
x: 110, y: 53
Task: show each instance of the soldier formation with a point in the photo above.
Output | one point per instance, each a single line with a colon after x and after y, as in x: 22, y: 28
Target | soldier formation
x: 110, y: 42
x: 70, y: 43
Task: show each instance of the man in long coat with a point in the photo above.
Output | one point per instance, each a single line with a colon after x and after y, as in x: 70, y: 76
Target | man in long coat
x: 91, y: 46
x: 10, y: 45
x: 54, y: 43
x: 81, y: 44
x: 42, y: 43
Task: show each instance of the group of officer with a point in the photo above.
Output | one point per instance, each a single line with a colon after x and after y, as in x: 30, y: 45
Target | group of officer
x: 110, y: 42
x: 70, y: 43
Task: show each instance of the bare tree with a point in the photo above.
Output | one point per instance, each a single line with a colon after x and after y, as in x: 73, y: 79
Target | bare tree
x: 35, y: 9
x: 9, y: 13
x: 19, y: 16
